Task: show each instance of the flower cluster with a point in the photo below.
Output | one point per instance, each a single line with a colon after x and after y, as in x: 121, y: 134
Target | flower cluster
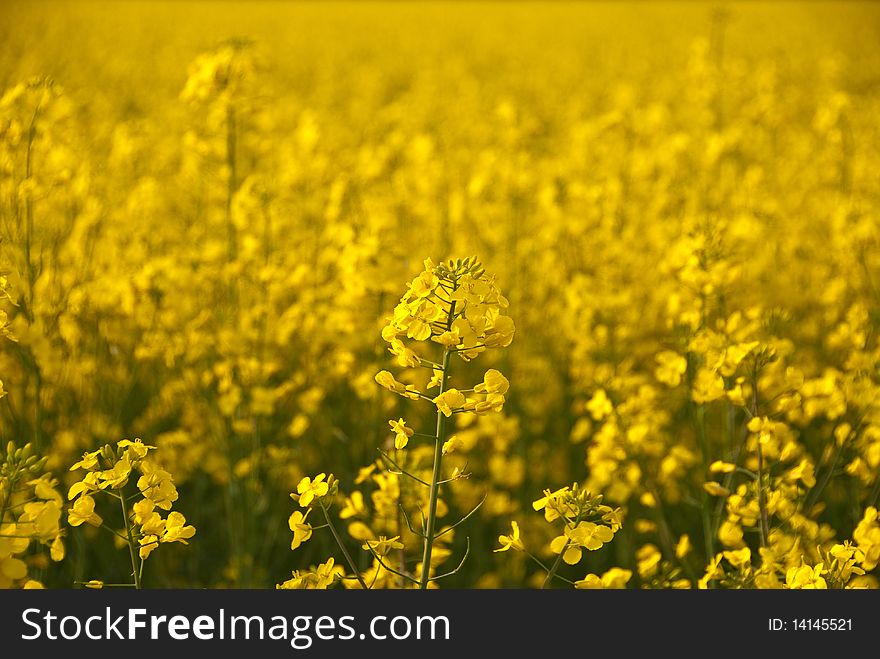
x: 459, y: 307
x: 108, y: 471
x: 30, y: 515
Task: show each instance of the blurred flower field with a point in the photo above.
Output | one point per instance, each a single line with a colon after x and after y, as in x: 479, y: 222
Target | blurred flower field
x: 417, y: 295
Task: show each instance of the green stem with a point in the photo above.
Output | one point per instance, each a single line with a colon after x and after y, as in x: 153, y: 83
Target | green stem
x: 439, y: 439
x: 435, y: 485
x: 552, y: 572
x: 547, y: 569
x: 131, y: 552
x: 339, y: 542
x: 762, y: 501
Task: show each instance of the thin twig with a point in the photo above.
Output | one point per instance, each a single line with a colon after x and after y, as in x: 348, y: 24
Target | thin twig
x: 391, y: 569
x: 409, y: 525
x: 473, y: 510
x: 342, y: 546
x: 401, y: 470
x: 467, y: 550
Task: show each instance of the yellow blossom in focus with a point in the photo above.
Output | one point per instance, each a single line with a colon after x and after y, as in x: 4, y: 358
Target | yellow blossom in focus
x: 83, y: 510
x: 302, y: 530
x: 511, y: 541
x: 402, y: 433
x: 449, y: 401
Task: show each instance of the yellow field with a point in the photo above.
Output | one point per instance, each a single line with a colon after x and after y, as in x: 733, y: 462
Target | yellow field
x: 209, y: 215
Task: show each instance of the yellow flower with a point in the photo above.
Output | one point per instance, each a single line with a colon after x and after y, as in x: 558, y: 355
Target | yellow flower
x: 647, y: 560
x: 492, y: 403
x: 89, y: 461
x: 152, y: 524
x: 511, y: 541
x: 591, y: 581
x: 147, y: 544
x: 599, y: 406
x: 493, y: 383
x: 309, y: 489
x: 12, y: 568
x: 436, y: 379
x: 715, y: 489
x: 708, y: 386
x: 385, y: 379
x: 449, y: 401
x: 615, y: 578
x: 354, y: 506
x: 136, y: 449
x: 176, y: 529
x: 452, y: 444
x: 401, y: 433
x: 806, y: 577
x: 867, y: 537
x: 88, y: 484
x: 586, y: 535
x: 730, y: 534
x: 302, y: 530
x: 142, y: 510
x: 713, y: 571
x: 448, y: 339
x: 43, y: 517
x: 571, y: 554
x: 405, y: 356
x: 500, y: 333
x: 425, y: 284
x: 734, y: 354
x: 388, y: 381
x: 360, y: 531
x: 804, y: 472
x: 117, y: 476
x: 326, y: 574
x: 158, y: 486
x: 83, y: 510
x: 670, y: 367
x: 56, y: 550
x: 591, y: 536
x: 683, y: 547
x: 383, y: 545
x: 418, y: 330
x: 44, y: 488
x: 739, y: 558
x: 546, y: 502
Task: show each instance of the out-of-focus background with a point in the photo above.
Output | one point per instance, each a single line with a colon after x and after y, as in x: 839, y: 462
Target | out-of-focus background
x: 207, y: 210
